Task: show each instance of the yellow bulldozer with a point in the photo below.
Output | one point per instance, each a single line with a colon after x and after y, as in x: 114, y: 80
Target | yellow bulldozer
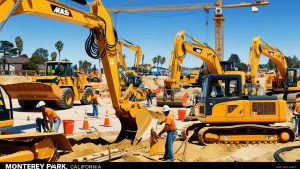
x: 62, y: 87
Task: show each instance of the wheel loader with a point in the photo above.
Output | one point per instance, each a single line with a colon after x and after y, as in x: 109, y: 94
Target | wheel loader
x: 62, y: 87
x: 26, y: 147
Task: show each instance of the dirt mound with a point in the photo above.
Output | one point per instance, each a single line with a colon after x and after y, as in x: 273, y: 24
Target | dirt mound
x: 14, y: 79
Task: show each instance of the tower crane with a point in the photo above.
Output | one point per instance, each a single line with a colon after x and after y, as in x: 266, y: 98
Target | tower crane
x: 219, y: 18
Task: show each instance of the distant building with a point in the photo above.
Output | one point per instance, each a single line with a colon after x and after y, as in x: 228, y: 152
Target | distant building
x: 14, y: 64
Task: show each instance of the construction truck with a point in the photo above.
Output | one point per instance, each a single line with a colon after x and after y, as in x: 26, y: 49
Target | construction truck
x: 101, y: 43
x: 285, y: 83
x: 64, y: 87
x: 173, y: 94
x: 228, y: 116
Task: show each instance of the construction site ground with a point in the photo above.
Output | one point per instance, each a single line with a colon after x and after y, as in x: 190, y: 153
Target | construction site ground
x: 100, y: 138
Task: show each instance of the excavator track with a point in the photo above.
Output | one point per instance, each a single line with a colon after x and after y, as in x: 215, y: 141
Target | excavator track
x: 246, y: 133
x: 194, y: 127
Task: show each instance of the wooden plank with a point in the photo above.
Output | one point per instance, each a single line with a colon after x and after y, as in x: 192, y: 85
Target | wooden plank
x: 102, y: 156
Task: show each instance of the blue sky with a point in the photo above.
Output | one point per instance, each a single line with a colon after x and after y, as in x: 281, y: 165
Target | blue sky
x: 278, y: 24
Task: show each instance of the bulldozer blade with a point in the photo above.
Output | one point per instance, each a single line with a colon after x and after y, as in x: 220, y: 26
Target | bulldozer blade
x: 33, y: 91
x: 157, y: 145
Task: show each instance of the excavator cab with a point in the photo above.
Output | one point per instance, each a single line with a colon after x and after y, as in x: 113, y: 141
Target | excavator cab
x: 293, y: 76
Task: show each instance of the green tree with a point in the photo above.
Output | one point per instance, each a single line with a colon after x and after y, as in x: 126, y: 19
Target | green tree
x: 158, y: 59
x: 86, y: 66
x: 53, y: 56
x: 19, y: 44
x: 38, y: 59
x: 154, y: 60
x: 80, y: 64
x: 163, y: 60
x: 30, y: 66
x: 41, y: 52
x: 7, y: 49
x: 59, y: 45
x: 234, y: 58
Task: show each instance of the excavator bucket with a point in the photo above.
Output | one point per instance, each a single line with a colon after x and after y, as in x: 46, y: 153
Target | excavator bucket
x: 157, y: 145
x: 143, y: 120
x: 33, y: 91
x: 28, y: 147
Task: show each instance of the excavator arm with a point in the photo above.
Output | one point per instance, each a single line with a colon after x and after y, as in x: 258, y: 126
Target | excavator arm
x: 137, y: 49
x: 181, y: 47
x: 259, y: 47
x: 100, y: 22
x: 197, y: 49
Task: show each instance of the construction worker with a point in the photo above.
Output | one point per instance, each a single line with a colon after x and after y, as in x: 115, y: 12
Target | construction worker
x: 170, y: 128
x: 95, y: 103
x: 297, y: 116
x: 149, y: 97
x: 49, y: 116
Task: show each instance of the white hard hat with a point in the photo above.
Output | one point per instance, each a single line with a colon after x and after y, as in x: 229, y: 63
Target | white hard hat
x: 166, y: 108
x: 41, y: 103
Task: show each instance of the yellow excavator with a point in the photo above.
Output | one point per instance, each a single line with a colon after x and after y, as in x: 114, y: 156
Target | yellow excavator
x: 228, y: 116
x: 286, y: 83
x: 130, y: 76
x: 101, y: 43
x: 138, y: 55
x: 172, y: 95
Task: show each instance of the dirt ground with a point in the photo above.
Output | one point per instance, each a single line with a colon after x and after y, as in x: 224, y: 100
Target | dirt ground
x: 92, y: 143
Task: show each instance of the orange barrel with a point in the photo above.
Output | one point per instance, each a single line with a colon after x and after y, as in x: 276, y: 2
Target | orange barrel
x: 181, y: 114
x: 68, y: 126
x: 158, y: 90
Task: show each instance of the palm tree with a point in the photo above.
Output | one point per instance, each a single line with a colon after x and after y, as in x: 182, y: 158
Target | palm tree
x: 154, y: 60
x: 158, y: 59
x: 53, y: 56
x: 59, y: 45
x: 19, y: 44
x: 163, y: 60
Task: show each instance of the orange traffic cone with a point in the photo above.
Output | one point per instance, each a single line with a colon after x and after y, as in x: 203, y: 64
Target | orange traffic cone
x: 106, y: 120
x: 85, y: 122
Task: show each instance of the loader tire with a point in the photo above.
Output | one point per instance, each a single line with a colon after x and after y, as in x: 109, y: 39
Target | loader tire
x: 28, y: 104
x: 66, y: 100
x: 87, y: 96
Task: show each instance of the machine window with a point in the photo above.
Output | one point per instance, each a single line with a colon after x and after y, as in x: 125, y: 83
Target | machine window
x: 233, y: 89
x: 217, y: 89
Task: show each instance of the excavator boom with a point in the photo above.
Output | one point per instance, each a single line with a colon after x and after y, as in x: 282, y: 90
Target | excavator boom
x: 133, y: 117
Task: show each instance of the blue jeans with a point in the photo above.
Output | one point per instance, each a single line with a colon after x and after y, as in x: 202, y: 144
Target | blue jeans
x: 95, y: 109
x: 297, y: 123
x: 44, y: 124
x: 41, y: 123
x: 171, y: 136
x: 57, y: 124
x: 149, y: 100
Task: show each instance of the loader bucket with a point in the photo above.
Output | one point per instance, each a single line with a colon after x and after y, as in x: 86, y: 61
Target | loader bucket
x: 33, y: 91
x: 27, y: 147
